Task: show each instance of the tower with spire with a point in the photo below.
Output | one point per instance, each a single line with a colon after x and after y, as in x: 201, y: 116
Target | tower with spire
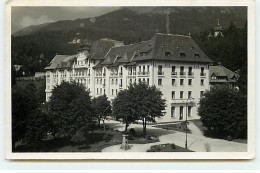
x: 218, y: 30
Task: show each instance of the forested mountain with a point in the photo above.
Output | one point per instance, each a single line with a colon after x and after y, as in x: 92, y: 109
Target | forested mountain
x: 130, y: 25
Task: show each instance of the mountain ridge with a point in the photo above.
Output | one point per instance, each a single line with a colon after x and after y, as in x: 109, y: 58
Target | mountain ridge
x: 197, y: 18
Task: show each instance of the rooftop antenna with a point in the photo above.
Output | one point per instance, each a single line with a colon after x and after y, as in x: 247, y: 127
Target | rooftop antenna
x: 167, y: 23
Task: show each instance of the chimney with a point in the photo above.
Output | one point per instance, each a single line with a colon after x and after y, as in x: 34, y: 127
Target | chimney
x: 167, y: 24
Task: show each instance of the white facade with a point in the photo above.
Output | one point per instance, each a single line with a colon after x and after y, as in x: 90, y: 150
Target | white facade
x: 182, y: 83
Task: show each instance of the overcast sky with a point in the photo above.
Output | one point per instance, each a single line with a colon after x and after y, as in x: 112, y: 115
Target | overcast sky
x: 26, y: 16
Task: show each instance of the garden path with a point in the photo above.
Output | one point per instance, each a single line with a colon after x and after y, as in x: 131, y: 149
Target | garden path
x: 196, y: 141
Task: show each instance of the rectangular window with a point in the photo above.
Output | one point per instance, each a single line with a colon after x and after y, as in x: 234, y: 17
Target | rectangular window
x: 172, y: 111
x: 130, y: 81
x: 181, y: 94
x: 97, y: 90
x: 189, y: 111
x: 148, y: 68
x: 116, y: 91
x: 134, y: 71
x: 202, y: 82
x: 100, y: 90
x: 112, y: 92
x: 112, y: 81
x: 181, y: 112
x: 182, y: 70
x: 202, y: 71
x: 190, y: 81
x: 160, y: 70
x: 173, y: 69
x: 140, y: 68
x: 173, y: 82
x: 190, y: 71
x: 121, y: 82
x: 159, y: 81
x: 104, y: 91
x: 147, y: 81
x: 167, y: 53
x: 144, y: 68
x: 182, y: 55
x: 116, y: 81
x: 181, y: 81
x: 189, y: 94
x: 173, y: 94
x: 201, y: 94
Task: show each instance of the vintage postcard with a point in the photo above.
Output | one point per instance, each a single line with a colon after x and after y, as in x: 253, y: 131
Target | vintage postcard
x: 130, y: 80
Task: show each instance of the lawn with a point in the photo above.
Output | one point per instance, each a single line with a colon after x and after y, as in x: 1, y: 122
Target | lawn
x: 96, y: 141
x: 180, y: 126
x: 199, y: 124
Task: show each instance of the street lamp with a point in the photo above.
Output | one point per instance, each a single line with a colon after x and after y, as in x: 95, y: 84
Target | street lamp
x: 186, y: 122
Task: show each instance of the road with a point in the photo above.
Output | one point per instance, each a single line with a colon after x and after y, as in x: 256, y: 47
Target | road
x: 196, y: 141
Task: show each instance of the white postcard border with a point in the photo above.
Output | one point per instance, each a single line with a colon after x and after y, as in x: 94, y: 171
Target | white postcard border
x: 250, y: 154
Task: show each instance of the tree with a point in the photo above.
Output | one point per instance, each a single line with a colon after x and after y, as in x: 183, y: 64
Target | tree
x: 70, y: 110
x: 122, y: 108
x: 223, y: 112
x: 36, y: 126
x: 139, y: 102
x: 23, y: 104
x: 102, y: 108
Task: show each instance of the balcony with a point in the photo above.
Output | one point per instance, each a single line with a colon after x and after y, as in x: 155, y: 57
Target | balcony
x: 202, y: 74
x: 182, y: 101
x: 113, y: 74
x: 190, y: 74
x: 182, y: 74
x: 160, y: 73
x: 144, y: 73
x: 174, y: 73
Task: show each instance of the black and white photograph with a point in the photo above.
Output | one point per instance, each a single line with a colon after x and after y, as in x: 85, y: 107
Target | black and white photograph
x: 130, y: 82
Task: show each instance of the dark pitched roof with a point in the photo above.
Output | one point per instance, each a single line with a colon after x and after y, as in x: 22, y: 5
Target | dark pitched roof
x: 221, y: 71
x: 178, y: 48
x: 67, y: 62
x: 160, y: 47
x: 100, y: 48
x: 56, y: 62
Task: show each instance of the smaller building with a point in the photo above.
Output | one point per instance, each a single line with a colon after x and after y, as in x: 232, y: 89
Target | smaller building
x: 221, y: 75
x: 39, y: 74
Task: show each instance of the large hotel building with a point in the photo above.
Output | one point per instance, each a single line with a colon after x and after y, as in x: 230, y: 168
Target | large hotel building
x: 173, y: 63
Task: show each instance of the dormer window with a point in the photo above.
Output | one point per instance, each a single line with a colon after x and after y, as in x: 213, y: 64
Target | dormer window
x: 213, y: 77
x: 167, y: 53
x: 196, y: 55
x: 142, y: 54
x: 182, y: 55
